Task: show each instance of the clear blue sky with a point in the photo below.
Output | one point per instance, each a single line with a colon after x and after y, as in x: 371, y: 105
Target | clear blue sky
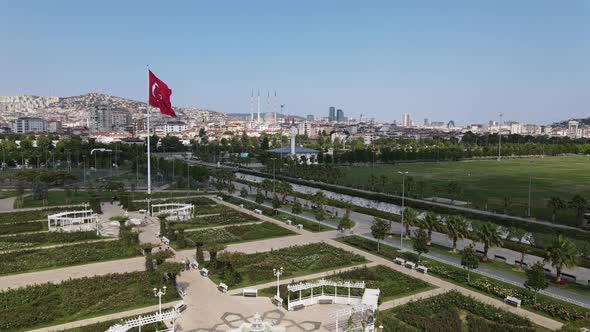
x: 461, y: 60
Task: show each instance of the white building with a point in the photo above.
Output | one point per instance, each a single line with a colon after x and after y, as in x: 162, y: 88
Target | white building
x: 25, y: 125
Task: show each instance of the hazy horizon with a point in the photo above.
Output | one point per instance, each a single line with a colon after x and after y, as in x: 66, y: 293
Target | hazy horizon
x: 456, y: 60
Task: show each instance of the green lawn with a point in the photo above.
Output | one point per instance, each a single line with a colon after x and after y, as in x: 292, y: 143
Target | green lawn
x: 489, y: 180
x: 238, y: 233
x: 76, y: 299
x: 239, y: 270
x: 393, y: 284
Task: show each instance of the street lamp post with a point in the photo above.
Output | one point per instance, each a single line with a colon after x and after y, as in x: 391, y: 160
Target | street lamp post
x: 274, y: 178
x: 500, y: 138
x: 401, y: 239
x: 278, y: 273
x: 159, y: 293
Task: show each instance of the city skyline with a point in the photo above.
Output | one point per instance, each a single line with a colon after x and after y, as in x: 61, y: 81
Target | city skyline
x: 461, y: 61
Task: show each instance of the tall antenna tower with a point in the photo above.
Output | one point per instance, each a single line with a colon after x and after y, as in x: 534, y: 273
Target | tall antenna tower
x: 268, y: 107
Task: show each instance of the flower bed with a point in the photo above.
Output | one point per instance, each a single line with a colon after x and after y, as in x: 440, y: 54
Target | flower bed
x: 443, y: 313
x: 40, y: 259
x: 22, y: 227
x: 20, y: 216
x: 76, y: 299
x: 226, y: 218
x: 238, y: 269
x: 233, y: 234
x: 41, y: 239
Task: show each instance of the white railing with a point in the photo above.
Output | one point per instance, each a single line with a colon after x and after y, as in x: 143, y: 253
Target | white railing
x: 144, y: 320
x: 336, y: 299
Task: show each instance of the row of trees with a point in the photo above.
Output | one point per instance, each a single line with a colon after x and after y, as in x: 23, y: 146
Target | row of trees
x: 560, y: 253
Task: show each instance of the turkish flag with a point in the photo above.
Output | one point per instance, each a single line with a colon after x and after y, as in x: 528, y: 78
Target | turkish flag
x: 160, y: 95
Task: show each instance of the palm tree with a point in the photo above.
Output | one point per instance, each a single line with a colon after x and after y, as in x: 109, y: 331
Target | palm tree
x: 410, y: 219
x: 430, y: 222
x: 488, y: 235
x: 521, y: 235
x: 580, y: 205
x: 562, y: 252
x: 555, y: 204
x: 456, y: 228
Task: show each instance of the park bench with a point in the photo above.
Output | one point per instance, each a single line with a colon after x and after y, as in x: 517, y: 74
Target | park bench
x: 242, y: 205
x: 258, y: 211
x: 142, y: 211
x: 289, y: 222
x: 195, y: 265
x: 179, y: 307
x: 325, y: 301
x: 513, y: 301
x: 219, y: 198
x: 205, y: 272
x: 410, y: 265
x: 277, y: 301
x: 298, y: 307
x: 399, y: 261
x: 299, y: 226
x: 222, y: 287
x: 501, y: 258
x: 422, y: 269
x: 165, y: 240
x: 180, y: 291
x: 249, y: 292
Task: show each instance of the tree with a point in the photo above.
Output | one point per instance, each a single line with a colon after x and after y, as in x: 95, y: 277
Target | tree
x: 259, y: 198
x: 507, y: 203
x: 430, y: 222
x: 420, y: 242
x: 555, y: 204
x: 488, y: 235
x: 379, y: 229
x: 276, y: 203
x: 580, y: 205
x: 410, y: 219
x: 244, y: 192
x: 213, y: 248
x: 562, y: 252
x: 346, y: 222
x: 469, y: 260
x: 297, y: 208
x: 536, y: 280
x: 456, y: 228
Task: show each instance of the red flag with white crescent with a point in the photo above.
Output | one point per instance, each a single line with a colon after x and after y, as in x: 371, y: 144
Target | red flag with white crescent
x: 160, y: 95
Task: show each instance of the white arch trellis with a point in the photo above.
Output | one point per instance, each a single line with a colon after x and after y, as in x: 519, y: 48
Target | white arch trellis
x: 321, y: 297
x: 73, y: 221
x: 145, y: 320
x: 181, y: 211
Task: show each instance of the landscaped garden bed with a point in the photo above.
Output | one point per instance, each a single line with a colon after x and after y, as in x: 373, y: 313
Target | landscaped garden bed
x: 451, y: 312
x: 32, y: 240
x: 239, y: 233
x: 230, y: 217
x: 103, y: 326
x: 391, y: 283
x: 546, y: 305
x: 76, y: 299
x: 42, y: 259
x: 239, y: 269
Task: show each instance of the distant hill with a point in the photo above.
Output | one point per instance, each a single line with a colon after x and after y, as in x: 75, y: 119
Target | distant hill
x: 582, y: 121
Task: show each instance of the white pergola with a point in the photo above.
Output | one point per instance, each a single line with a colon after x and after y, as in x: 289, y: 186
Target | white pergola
x: 321, y: 297
x: 359, y: 317
x: 181, y: 211
x: 145, y: 320
x: 73, y: 221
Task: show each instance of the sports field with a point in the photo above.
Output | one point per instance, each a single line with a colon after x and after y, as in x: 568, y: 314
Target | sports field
x: 487, y: 182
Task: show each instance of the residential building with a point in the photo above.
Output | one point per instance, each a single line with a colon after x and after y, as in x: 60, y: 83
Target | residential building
x: 340, y: 115
x: 100, y: 118
x: 332, y: 114
x: 25, y: 125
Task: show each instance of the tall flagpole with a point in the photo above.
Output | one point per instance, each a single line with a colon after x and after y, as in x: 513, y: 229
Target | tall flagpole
x: 149, y: 168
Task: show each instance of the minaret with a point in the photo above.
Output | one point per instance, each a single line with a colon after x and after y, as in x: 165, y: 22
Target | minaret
x: 274, y: 107
x: 252, y: 106
x: 268, y: 110
x: 258, y: 119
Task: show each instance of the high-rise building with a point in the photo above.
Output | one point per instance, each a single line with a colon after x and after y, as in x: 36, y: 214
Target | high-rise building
x: 310, y: 117
x: 426, y: 122
x: 25, y: 125
x: 120, y: 119
x: 340, y: 115
x: 406, y: 120
x: 100, y: 118
x: 332, y: 114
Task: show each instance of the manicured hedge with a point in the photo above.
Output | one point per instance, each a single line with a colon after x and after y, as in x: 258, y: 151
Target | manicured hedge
x: 22, y: 227
x: 232, y: 234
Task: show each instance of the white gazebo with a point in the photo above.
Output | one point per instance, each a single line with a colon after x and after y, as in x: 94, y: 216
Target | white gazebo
x: 73, y: 221
x: 178, y: 211
x: 344, y: 297
x: 359, y: 317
